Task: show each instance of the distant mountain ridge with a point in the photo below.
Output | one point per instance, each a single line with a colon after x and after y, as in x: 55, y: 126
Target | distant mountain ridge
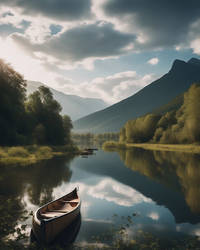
x: 181, y: 75
x: 74, y: 106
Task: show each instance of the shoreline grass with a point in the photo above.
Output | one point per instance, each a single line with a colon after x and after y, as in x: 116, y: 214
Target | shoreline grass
x: 187, y: 148
x: 27, y: 155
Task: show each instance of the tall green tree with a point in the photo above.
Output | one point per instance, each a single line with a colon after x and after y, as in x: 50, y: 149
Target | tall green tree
x: 189, y: 119
x: 12, y: 112
x: 67, y: 124
x: 45, y: 111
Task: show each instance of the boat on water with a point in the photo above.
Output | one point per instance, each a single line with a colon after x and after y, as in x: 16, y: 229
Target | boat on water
x: 52, y: 218
x: 64, y: 239
x: 87, y: 152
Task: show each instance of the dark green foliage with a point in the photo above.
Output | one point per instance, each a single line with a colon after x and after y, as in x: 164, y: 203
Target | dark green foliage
x: 47, y: 122
x: 180, y: 126
x: 36, y: 120
x: 142, y: 129
x: 67, y: 125
x: 12, y: 113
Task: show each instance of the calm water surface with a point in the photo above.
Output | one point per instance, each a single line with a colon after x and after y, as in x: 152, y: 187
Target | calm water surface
x: 161, y: 189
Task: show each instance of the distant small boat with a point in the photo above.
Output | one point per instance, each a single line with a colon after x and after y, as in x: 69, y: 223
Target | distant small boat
x: 52, y: 218
x: 91, y: 149
x: 87, y: 152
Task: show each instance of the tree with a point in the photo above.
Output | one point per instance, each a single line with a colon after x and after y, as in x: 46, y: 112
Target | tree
x: 39, y: 135
x: 12, y: 112
x: 67, y: 124
x: 45, y: 110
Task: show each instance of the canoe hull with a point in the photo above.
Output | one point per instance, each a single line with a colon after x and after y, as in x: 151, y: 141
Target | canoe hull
x: 46, y: 230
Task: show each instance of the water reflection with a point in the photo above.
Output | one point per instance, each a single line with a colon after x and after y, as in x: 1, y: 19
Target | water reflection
x: 23, y: 189
x: 160, y: 188
x: 144, y: 173
x: 178, y: 171
x: 37, y: 180
x: 122, y: 195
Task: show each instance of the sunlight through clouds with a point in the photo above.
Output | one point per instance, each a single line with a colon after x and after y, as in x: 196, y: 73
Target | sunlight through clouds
x: 28, y: 66
x: 94, y: 33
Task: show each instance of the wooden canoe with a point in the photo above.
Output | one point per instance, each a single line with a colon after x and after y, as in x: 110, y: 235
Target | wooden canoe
x: 52, y: 218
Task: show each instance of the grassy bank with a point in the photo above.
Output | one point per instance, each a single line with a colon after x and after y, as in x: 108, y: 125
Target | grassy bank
x: 32, y: 154
x: 188, y: 148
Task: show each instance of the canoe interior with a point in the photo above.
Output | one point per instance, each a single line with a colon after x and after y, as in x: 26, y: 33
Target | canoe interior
x: 64, y: 205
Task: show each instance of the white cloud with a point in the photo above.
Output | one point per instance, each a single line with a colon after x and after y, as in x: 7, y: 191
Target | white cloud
x: 154, y: 216
x: 120, y: 194
x: 14, y: 17
x: 79, y: 45
x: 30, y: 67
x: 111, y: 89
x: 153, y: 61
x: 33, y: 66
x: 195, y: 45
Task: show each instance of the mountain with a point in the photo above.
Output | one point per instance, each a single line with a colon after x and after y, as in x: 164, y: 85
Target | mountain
x: 158, y: 93
x: 174, y: 104
x: 74, y: 106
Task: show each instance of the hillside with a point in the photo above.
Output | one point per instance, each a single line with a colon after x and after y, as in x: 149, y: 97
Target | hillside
x: 158, y: 93
x: 174, y: 104
x: 74, y: 106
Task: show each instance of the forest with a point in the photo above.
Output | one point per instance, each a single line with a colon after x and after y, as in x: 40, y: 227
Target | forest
x: 35, y: 119
x: 90, y: 138
x: 179, y: 126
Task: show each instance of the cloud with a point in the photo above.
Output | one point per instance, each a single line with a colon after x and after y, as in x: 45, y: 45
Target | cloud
x: 157, y: 24
x: 154, y: 216
x: 7, y: 29
x: 153, y: 61
x: 111, y: 89
x: 195, y: 45
x: 63, y: 10
x: 78, y: 45
x: 120, y: 194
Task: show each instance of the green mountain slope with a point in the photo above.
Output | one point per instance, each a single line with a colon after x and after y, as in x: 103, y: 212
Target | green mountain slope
x: 74, y: 106
x: 174, y: 104
x: 158, y: 93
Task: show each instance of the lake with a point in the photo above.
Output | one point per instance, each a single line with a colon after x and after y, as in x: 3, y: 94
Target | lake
x: 142, y: 191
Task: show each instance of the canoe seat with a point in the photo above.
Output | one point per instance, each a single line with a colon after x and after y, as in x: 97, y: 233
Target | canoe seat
x: 70, y: 201
x: 51, y: 214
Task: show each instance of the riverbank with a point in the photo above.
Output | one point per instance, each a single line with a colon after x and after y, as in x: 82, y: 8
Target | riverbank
x: 26, y: 155
x: 187, y: 148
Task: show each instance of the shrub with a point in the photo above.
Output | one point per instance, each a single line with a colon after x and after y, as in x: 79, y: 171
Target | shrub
x: 3, y: 154
x: 110, y: 144
x: 18, y: 152
x: 43, y: 152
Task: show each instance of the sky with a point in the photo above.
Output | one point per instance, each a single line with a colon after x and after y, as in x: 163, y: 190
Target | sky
x: 106, y: 49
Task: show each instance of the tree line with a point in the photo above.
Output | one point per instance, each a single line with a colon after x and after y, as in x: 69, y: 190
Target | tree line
x: 80, y: 138
x: 35, y: 119
x: 178, y: 126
